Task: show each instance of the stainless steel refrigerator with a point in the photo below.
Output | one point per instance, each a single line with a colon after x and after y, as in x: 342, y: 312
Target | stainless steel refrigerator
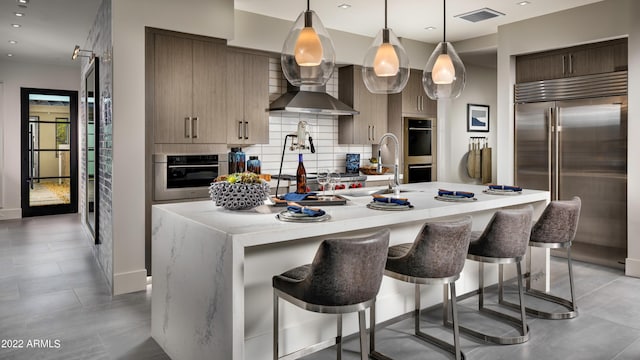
x: 578, y: 147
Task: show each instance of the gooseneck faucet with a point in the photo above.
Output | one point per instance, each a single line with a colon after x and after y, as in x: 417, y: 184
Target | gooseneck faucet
x: 396, y: 165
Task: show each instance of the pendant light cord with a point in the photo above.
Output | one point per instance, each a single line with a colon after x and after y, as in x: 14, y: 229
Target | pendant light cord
x: 385, y: 14
x: 308, y: 5
x: 444, y: 20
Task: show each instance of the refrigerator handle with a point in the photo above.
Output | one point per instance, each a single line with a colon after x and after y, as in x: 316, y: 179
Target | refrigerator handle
x: 550, y: 152
x: 556, y: 153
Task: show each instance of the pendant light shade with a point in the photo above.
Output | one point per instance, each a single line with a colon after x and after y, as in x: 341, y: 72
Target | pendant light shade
x: 308, y: 56
x: 385, y: 69
x: 444, y: 75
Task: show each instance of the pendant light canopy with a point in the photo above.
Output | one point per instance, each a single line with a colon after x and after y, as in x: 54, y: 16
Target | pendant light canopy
x: 385, y: 69
x: 308, y: 56
x: 444, y: 75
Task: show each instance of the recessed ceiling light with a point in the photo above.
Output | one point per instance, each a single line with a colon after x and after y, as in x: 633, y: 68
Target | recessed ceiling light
x: 344, y: 6
x: 15, y: 25
x: 9, y: 55
x: 523, y: 3
x: 22, y: 1
x: 12, y: 42
x: 430, y: 28
x: 18, y: 14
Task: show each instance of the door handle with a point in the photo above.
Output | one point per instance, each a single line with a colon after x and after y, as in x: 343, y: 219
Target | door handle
x: 239, y: 130
x: 195, y: 128
x: 31, y: 158
x: 187, y: 127
x: 246, y: 130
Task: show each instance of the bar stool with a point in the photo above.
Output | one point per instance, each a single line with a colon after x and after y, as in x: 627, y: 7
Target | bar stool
x: 436, y: 256
x: 504, y: 241
x: 556, y: 228
x: 344, y: 277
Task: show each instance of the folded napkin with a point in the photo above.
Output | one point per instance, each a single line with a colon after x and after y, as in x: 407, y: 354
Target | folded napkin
x: 305, y: 210
x: 442, y: 192
x: 292, y: 196
x: 384, y: 199
x: 505, y: 187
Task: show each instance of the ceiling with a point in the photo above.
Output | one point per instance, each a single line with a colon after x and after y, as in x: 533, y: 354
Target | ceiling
x: 51, y: 28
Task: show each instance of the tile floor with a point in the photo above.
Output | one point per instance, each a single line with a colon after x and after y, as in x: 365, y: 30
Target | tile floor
x: 51, y: 288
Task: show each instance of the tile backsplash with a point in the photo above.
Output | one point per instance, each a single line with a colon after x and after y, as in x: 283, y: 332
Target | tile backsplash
x: 323, y: 129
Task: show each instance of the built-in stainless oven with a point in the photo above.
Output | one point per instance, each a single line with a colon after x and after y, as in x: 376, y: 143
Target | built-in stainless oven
x: 178, y: 177
x: 419, y: 149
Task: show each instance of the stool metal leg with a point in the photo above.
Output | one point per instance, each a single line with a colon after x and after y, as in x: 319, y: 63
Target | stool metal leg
x: 569, y: 305
x: 275, y: 326
x: 339, y: 338
x: 364, y: 352
x: 521, y: 323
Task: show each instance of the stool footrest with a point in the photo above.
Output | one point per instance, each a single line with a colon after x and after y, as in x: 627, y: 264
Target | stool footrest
x: 309, y: 349
x: 500, y: 340
x: 572, y: 313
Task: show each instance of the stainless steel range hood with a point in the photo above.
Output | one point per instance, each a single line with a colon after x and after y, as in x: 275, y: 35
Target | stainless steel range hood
x: 310, y: 100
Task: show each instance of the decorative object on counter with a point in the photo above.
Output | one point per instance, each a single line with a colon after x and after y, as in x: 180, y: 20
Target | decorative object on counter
x: 503, y: 190
x: 448, y: 195
x: 308, y: 56
x: 385, y: 68
x: 353, y: 163
x: 373, y: 170
x: 301, y: 177
x: 239, y: 191
x: 298, y: 144
x: 444, y: 75
x: 477, y: 118
x: 253, y: 165
x: 236, y: 160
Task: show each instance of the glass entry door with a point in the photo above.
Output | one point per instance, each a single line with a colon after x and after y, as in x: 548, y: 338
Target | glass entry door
x: 49, y: 151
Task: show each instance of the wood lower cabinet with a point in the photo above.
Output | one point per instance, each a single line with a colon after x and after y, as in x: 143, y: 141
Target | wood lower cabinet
x: 597, y: 58
x: 247, y: 98
x: 189, y: 81
x: 369, y: 126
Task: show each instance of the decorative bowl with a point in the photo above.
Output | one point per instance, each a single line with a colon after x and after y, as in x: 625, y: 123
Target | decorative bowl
x: 373, y: 170
x: 239, y: 196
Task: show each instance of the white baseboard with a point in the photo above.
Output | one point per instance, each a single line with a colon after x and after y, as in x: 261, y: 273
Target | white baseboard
x: 128, y: 282
x: 632, y: 267
x: 10, y: 214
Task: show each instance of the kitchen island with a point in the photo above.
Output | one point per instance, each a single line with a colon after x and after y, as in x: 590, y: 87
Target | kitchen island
x: 212, y: 268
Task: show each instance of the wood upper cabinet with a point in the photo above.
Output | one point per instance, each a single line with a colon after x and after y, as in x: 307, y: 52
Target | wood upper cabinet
x: 597, y: 58
x: 189, y: 81
x: 247, y: 98
x: 371, y: 123
x: 415, y: 101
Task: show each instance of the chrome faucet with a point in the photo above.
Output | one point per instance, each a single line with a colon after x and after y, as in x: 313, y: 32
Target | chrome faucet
x: 396, y: 165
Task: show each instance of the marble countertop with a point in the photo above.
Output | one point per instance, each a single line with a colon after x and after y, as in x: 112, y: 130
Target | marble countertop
x: 253, y: 227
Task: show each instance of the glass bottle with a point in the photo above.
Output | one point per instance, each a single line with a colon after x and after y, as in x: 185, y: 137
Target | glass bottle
x: 253, y: 165
x: 301, y: 177
x: 240, y: 161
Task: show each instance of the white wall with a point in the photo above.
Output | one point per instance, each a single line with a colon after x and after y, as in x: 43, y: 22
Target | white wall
x: 15, y: 75
x: 452, y: 119
x: 599, y: 21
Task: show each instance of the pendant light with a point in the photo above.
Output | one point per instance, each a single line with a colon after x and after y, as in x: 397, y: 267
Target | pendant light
x: 308, y: 56
x: 444, y: 75
x: 385, y: 69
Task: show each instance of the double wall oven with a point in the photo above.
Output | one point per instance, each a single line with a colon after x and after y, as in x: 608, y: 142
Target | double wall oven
x: 419, y: 150
x: 180, y: 177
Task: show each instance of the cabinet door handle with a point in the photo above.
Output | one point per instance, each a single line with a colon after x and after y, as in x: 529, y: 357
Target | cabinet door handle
x: 239, y: 130
x: 373, y: 132
x: 563, y: 67
x: 195, y: 129
x: 187, y: 127
x: 246, y: 130
x: 570, y: 63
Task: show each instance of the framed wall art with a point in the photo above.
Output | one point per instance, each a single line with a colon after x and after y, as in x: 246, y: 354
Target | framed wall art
x: 477, y: 118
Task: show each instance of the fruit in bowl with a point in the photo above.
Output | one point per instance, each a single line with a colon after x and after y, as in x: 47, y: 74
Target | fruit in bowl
x: 239, y: 191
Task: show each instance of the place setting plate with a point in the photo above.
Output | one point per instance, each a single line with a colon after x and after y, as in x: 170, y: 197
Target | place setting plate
x: 286, y: 215
x: 377, y: 205
x: 501, y: 192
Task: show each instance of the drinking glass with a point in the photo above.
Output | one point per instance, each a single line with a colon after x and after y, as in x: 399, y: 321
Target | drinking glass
x: 323, y: 179
x: 334, y: 180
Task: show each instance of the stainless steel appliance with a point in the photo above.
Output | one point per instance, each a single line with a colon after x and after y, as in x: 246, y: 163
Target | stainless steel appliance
x: 578, y: 147
x: 178, y: 177
x: 419, y: 150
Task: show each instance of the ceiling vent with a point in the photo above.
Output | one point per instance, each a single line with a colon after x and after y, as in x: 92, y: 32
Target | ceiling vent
x: 480, y: 15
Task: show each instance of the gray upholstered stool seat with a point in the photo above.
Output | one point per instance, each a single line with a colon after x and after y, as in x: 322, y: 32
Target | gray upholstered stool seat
x: 436, y: 256
x: 344, y: 277
x: 556, y: 228
x: 504, y: 241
